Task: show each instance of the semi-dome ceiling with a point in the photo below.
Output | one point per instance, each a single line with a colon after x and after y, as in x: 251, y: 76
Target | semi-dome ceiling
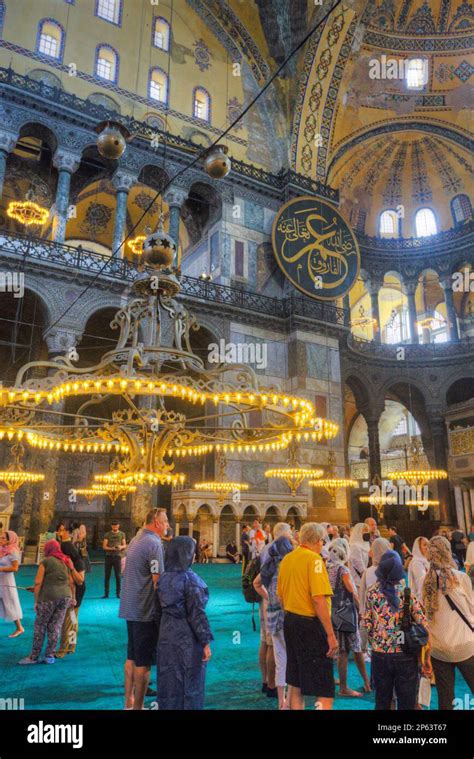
x: 405, y: 169
x: 420, y: 17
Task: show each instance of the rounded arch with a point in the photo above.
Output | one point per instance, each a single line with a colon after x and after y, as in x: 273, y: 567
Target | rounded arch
x: 22, y: 324
x: 460, y: 391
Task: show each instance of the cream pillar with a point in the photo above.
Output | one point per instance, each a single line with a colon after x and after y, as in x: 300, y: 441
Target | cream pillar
x: 176, y: 528
x: 190, y: 529
x: 238, y: 532
x: 215, y: 537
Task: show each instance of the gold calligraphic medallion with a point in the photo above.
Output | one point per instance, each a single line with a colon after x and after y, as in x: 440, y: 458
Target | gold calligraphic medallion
x: 316, y: 248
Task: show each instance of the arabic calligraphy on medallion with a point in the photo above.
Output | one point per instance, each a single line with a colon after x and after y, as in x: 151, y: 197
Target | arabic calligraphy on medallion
x: 316, y: 248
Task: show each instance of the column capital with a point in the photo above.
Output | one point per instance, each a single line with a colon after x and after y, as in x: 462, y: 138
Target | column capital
x: 61, y: 339
x: 409, y: 288
x: 446, y: 282
x: 8, y: 140
x: 123, y: 181
x: 373, y: 285
x: 175, y: 196
x: 66, y: 160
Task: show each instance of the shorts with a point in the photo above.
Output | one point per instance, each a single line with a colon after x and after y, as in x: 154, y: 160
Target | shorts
x: 142, y: 642
x: 308, y: 668
x: 265, y: 636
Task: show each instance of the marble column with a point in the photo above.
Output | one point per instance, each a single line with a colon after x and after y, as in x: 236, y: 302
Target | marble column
x: 215, y: 537
x: 66, y: 163
x: 373, y: 288
x: 453, y: 329
x: 410, y: 290
x: 375, y: 465
x: 8, y: 141
x: 439, y: 444
x: 123, y: 181
x: 238, y: 533
x: 177, y: 526
x: 175, y: 197
x: 190, y: 528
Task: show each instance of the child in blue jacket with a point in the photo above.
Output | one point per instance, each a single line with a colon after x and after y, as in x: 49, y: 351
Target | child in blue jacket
x: 183, y: 643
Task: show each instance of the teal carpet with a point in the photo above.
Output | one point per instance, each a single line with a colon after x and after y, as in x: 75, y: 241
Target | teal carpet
x: 92, y: 678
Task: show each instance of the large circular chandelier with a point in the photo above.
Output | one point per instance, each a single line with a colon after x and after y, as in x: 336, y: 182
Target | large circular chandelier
x: 163, y: 403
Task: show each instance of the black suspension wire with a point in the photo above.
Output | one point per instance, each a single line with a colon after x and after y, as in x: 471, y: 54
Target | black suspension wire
x: 197, y: 158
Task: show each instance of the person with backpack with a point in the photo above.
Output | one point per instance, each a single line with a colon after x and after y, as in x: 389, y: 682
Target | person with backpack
x: 265, y: 653
x: 266, y: 584
x: 345, y: 618
x: 448, y: 600
x: 389, y: 613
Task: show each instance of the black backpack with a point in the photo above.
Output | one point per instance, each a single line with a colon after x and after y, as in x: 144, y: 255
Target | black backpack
x: 252, y: 570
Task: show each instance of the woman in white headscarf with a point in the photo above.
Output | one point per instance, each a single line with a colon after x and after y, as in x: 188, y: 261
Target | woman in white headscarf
x: 359, y: 547
x: 377, y: 550
x: 418, y: 567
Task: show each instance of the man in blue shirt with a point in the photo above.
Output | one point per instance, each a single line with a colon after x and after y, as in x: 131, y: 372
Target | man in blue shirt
x: 143, y: 566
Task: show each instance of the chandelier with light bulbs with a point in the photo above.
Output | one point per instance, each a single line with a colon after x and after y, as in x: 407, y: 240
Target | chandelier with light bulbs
x: 146, y: 377
x: 16, y: 475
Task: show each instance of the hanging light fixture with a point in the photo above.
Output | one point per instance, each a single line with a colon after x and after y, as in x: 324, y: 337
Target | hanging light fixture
x: 418, y: 476
x: 220, y: 485
x: 112, y: 139
x: 16, y: 475
x: 216, y: 162
x: 159, y: 248
x: 293, y: 474
x: 90, y: 493
x: 331, y: 483
x: 28, y: 213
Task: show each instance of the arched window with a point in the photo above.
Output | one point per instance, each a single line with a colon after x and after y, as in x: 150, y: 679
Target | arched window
x: 50, y: 39
x: 106, y: 63
x: 425, y: 223
x: 201, y: 104
x: 388, y: 224
x: 158, y: 85
x: 109, y: 10
x: 161, y: 34
x: 397, y: 329
x: 417, y: 73
x: 461, y: 208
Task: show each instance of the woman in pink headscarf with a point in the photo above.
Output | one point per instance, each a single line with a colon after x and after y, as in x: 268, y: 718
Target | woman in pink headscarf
x: 54, y: 594
x: 10, y: 555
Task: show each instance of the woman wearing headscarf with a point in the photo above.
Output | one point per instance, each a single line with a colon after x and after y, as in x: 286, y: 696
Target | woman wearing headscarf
x: 377, y: 550
x: 359, y: 547
x: 10, y: 555
x: 266, y: 586
x: 184, y: 632
x: 54, y: 593
x: 449, y: 605
x: 393, y: 670
x: 342, y: 582
x: 418, y: 567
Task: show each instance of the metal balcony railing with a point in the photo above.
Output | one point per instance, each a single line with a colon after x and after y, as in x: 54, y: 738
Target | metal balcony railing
x: 61, y: 255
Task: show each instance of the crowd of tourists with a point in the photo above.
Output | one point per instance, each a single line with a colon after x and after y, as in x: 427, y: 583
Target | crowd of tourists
x: 328, y: 594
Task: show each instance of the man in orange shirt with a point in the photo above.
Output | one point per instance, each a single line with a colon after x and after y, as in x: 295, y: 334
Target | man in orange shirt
x: 305, y: 593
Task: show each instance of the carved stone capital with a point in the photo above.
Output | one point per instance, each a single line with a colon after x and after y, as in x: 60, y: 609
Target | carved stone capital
x: 8, y: 141
x: 123, y: 181
x: 60, y: 340
x: 66, y: 160
x: 175, y: 196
